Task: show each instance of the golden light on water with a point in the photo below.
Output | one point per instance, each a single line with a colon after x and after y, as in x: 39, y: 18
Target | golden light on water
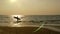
x: 19, y: 16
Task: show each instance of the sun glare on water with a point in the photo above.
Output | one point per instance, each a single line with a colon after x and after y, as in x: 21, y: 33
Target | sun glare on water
x: 13, y: 24
x: 19, y: 16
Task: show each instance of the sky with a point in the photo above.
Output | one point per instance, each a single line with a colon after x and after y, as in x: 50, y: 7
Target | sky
x: 30, y: 7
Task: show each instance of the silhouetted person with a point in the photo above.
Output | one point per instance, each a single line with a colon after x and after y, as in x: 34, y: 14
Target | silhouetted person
x: 17, y: 19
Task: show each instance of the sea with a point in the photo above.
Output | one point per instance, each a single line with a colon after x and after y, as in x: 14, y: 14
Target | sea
x: 51, y: 22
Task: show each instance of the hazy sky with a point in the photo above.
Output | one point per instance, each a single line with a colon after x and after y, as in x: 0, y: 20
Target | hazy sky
x: 30, y: 7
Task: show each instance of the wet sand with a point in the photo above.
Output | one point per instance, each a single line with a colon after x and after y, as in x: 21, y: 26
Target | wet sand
x: 25, y: 30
